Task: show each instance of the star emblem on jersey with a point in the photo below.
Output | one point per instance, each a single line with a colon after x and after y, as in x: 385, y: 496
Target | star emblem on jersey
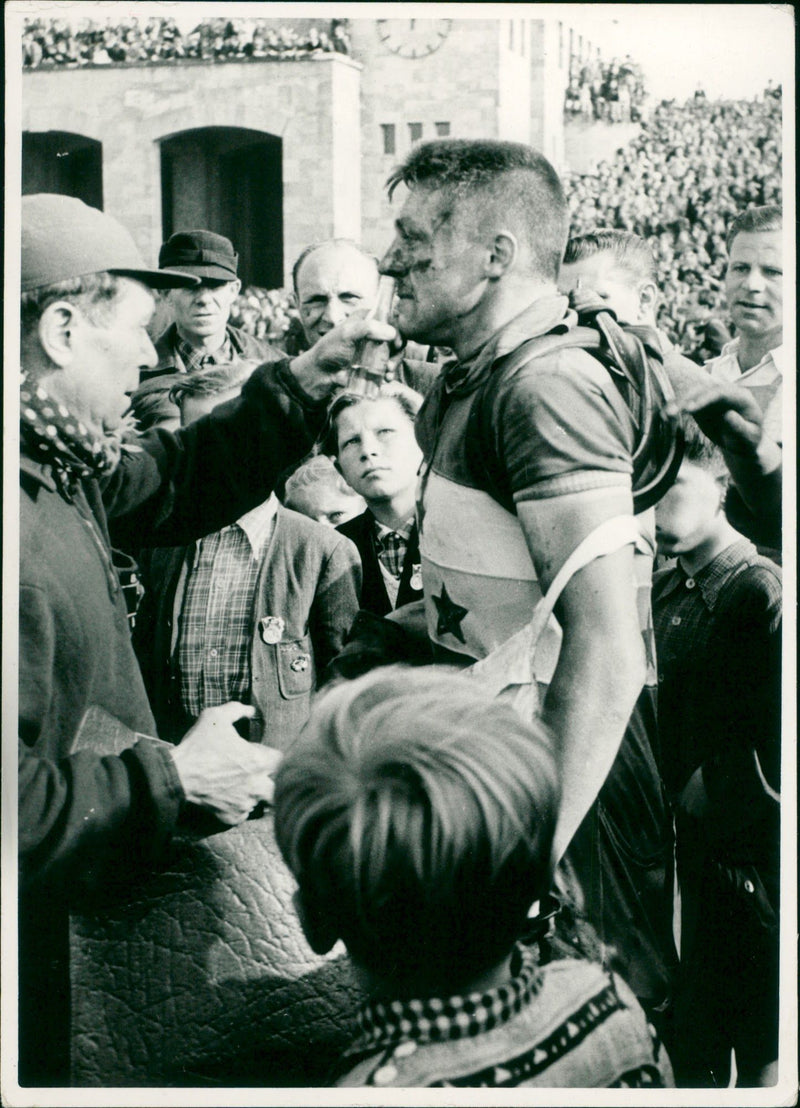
x: 450, y: 616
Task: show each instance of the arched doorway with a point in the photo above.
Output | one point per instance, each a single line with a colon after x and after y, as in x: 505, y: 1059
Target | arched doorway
x: 58, y: 161
x: 228, y: 180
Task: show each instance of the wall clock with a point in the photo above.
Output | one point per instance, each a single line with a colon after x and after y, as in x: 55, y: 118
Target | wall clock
x: 413, y: 38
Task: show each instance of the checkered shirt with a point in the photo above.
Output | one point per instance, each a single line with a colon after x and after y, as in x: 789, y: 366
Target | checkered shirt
x: 693, y: 598
x: 391, y: 546
x: 216, y: 620
x: 457, y: 1017
x: 195, y: 358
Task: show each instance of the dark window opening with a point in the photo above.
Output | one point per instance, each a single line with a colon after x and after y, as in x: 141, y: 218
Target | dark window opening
x: 228, y: 180
x: 389, y: 143
x: 61, y: 162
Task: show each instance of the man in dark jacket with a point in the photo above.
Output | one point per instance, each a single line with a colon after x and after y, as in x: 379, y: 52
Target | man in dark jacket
x: 200, y: 334
x: 85, y: 308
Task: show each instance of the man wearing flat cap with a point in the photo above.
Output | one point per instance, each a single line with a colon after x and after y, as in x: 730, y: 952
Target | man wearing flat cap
x: 201, y: 335
x: 89, y: 818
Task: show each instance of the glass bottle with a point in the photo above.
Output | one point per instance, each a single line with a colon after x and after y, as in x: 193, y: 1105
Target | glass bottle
x: 368, y: 371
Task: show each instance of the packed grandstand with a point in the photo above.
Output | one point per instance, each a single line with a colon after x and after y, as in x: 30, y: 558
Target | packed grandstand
x: 56, y: 42
x: 678, y: 183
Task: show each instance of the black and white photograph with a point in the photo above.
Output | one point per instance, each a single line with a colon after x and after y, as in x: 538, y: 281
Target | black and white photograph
x: 355, y: 755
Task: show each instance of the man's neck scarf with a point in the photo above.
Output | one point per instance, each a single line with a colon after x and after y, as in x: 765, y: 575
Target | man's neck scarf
x: 60, y: 440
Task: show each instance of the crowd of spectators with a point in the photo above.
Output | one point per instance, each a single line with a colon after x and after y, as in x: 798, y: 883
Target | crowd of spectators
x: 679, y: 184
x: 268, y: 314
x: 614, y: 92
x: 56, y: 42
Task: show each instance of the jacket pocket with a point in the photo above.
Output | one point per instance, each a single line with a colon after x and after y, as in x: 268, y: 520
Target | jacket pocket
x: 296, y: 671
x: 745, y: 885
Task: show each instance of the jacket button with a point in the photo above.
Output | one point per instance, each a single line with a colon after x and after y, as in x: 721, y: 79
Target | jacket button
x: 749, y: 887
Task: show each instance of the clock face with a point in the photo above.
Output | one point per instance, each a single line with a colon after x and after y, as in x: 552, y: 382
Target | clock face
x: 413, y: 38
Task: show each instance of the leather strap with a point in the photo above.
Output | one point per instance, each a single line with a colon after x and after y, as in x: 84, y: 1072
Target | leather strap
x: 511, y: 664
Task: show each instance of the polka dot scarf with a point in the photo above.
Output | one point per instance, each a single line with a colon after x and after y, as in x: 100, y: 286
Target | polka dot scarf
x: 58, y: 439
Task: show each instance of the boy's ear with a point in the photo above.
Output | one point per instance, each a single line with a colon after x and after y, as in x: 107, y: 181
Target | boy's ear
x: 648, y: 297
x: 320, y: 934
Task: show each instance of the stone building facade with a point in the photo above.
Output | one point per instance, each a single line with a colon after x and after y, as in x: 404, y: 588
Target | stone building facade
x: 279, y: 153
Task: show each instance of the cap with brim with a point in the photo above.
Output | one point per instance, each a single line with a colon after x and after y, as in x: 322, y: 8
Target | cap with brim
x: 204, y: 254
x: 63, y: 238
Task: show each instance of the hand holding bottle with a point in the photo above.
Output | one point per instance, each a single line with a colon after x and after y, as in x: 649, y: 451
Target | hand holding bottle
x: 368, y: 372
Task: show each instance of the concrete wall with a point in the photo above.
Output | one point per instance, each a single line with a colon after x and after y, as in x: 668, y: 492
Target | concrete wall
x: 514, y: 80
x: 549, y: 77
x: 327, y: 111
x: 457, y: 84
x: 311, y: 104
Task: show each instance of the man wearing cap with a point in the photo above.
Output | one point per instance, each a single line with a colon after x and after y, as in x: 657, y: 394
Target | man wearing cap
x: 85, y: 307
x: 201, y: 334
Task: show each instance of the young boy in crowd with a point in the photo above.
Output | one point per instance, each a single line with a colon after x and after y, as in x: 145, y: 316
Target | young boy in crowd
x: 417, y: 815
x: 372, y: 440
x: 318, y: 490
x: 717, y: 615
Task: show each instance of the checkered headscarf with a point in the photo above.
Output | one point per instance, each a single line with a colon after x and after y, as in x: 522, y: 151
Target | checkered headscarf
x: 62, y: 441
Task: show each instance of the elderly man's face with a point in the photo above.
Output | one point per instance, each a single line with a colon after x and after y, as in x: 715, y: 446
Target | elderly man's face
x: 437, y: 258
x: 107, y: 353
x: 754, y: 284
x: 333, y: 282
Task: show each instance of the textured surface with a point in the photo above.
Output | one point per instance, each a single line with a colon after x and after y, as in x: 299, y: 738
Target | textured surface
x: 203, y: 977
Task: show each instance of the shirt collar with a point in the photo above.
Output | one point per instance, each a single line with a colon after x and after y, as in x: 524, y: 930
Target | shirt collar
x: 257, y: 524
x: 548, y: 313
x: 665, y: 342
x: 404, y: 531
x: 778, y: 356
x: 194, y: 357
x: 38, y: 471
x: 435, y: 1019
x: 711, y: 578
